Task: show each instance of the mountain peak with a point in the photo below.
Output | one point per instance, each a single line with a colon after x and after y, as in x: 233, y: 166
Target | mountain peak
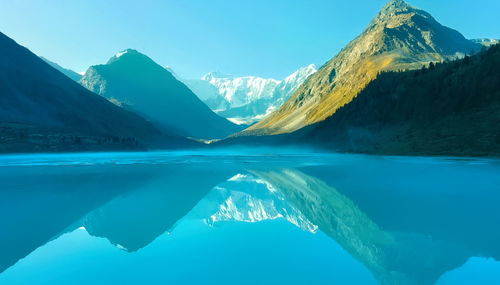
x: 128, y: 51
x: 399, y: 37
x: 215, y: 74
x: 128, y: 54
x: 394, y: 8
x: 396, y: 5
x: 307, y: 68
x: 172, y: 71
x: 301, y: 74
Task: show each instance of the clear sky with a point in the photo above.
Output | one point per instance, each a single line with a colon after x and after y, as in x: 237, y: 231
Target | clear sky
x: 269, y: 38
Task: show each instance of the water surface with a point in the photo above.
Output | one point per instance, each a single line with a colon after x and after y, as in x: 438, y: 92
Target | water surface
x: 223, y: 218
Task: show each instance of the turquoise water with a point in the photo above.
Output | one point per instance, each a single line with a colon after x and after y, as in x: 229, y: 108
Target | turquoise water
x: 223, y: 218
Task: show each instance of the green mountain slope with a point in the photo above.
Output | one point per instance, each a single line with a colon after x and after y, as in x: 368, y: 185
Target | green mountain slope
x: 133, y: 80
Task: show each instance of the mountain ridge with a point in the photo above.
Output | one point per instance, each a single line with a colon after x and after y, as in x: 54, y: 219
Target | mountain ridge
x: 133, y: 80
x: 446, y: 109
x: 68, y: 72
x: 399, y: 37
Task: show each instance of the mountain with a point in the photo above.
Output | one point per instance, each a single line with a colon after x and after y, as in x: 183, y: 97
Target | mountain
x: 447, y: 109
x: 292, y: 82
x: 68, y: 72
x: 240, y: 91
x: 400, y: 37
x: 245, y: 100
x: 41, y: 109
x: 133, y: 80
x: 209, y: 94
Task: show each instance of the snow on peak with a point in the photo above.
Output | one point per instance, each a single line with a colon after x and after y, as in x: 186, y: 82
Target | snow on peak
x: 241, y: 91
x: 171, y: 70
x: 249, y: 99
x: 121, y: 53
x: 299, y: 76
x: 215, y: 74
x: 127, y: 51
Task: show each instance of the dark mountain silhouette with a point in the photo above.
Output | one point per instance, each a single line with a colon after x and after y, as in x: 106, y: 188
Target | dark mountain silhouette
x: 68, y: 72
x: 41, y: 109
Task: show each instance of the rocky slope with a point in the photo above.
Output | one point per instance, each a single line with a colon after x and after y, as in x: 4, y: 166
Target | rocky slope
x: 134, y: 81
x: 400, y: 37
x: 446, y: 109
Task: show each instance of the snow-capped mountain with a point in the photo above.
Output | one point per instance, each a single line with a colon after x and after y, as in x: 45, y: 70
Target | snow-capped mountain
x: 289, y: 85
x: 208, y: 93
x: 241, y: 91
x: 245, y: 100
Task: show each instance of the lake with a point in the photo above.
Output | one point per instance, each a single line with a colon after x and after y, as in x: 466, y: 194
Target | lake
x: 229, y: 218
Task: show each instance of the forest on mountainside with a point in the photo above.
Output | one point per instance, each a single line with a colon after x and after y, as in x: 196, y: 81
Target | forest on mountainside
x: 449, y: 108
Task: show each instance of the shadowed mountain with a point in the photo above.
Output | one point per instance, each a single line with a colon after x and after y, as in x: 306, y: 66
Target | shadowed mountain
x: 134, y: 81
x: 68, y: 72
x: 400, y: 37
x: 41, y: 109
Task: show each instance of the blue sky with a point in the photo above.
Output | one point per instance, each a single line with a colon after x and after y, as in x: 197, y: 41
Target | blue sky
x: 269, y: 38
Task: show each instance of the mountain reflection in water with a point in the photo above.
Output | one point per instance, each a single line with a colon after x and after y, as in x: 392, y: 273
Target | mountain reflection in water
x: 406, y: 220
